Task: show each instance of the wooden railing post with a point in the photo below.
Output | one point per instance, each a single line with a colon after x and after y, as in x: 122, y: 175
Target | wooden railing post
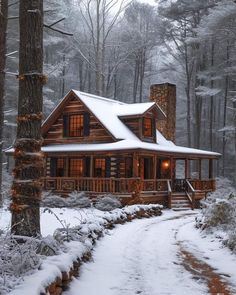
x: 169, y: 195
x: 193, y: 201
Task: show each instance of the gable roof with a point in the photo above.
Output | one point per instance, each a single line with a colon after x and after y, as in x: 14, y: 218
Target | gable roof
x: 108, y: 112
x: 104, y: 110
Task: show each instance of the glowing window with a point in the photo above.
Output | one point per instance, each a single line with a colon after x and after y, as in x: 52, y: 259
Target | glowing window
x: 147, y: 127
x: 76, y: 168
x: 76, y: 125
x: 100, y: 167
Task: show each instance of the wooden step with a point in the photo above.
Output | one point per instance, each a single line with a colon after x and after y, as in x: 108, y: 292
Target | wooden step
x: 180, y: 202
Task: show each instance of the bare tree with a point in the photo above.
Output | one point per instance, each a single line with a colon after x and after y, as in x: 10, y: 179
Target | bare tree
x: 3, y: 33
x: 100, y: 17
x: 26, y: 188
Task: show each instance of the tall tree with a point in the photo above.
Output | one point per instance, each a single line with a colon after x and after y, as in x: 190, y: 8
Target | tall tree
x: 181, y: 20
x: 26, y: 188
x: 3, y: 34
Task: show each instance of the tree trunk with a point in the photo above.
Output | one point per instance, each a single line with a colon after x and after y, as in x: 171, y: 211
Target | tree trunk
x: 98, y: 52
x: 212, y: 98
x: 26, y: 188
x: 188, y: 77
x: 142, y: 73
x: 234, y: 106
x: 63, y: 75
x: 136, y: 79
x: 3, y: 34
x: 224, y: 140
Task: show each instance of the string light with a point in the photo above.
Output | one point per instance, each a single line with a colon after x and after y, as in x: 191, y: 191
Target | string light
x: 35, y: 76
x: 30, y: 117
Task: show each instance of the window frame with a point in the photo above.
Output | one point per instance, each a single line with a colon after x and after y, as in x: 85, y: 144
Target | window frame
x: 84, y: 129
x: 81, y: 167
x: 79, y: 131
x: 54, y: 167
x: 103, y: 168
x: 145, y: 130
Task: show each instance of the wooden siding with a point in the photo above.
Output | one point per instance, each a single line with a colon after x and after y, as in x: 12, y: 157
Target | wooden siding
x: 133, y: 124
x: 152, y: 116
x: 98, y: 134
x: 117, y: 164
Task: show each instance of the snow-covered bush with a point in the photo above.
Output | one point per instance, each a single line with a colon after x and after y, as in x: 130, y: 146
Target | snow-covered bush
x: 107, y: 203
x: 219, y: 213
x: 74, y: 199
x: 80, y: 200
x: 219, y: 208
x: 48, y: 246
x: 16, y: 260
x: 231, y: 241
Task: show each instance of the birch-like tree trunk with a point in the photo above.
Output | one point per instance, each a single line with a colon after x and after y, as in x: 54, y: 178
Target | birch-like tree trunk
x: 26, y: 188
x: 3, y: 34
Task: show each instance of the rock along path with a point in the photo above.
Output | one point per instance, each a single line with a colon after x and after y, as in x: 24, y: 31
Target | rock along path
x: 147, y: 257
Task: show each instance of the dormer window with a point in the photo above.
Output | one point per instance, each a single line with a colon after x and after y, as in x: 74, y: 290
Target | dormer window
x: 147, y: 127
x: 76, y: 125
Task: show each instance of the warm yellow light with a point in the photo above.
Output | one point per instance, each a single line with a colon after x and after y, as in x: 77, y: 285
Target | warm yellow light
x: 166, y: 164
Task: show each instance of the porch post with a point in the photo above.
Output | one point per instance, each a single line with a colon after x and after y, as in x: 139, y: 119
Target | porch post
x: 200, y: 168
x: 172, y: 169
x: 67, y: 160
x: 91, y: 166
x: 155, y: 167
x: 210, y: 168
x: 186, y: 166
x: 135, y: 165
x: 155, y: 171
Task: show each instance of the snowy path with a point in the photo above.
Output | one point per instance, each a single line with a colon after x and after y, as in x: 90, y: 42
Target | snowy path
x: 142, y: 257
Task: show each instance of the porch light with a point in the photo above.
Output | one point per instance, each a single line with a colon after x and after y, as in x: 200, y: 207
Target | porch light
x: 166, y: 164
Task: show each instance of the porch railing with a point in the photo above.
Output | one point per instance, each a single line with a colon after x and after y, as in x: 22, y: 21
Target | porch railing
x: 203, y: 185
x: 123, y: 185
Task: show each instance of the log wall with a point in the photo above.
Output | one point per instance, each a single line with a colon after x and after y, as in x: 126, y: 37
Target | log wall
x: 98, y: 134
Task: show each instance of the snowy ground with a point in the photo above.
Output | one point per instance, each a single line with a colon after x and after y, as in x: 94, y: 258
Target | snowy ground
x: 60, y: 217
x: 144, y: 257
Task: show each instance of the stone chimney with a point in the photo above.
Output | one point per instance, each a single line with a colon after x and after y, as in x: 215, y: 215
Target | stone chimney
x: 165, y: 96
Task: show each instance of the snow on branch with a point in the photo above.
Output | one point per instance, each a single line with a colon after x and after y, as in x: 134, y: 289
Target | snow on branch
x: 51, y: 27
x: 206, y: 91
x: 227, y: 129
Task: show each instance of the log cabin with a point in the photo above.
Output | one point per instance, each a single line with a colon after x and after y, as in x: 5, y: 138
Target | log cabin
x: 103, y: 146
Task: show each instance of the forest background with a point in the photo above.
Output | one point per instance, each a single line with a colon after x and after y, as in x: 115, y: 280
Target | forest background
x: 118, y: 48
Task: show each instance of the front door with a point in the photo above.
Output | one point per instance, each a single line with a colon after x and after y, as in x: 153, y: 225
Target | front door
x: 146, y: 168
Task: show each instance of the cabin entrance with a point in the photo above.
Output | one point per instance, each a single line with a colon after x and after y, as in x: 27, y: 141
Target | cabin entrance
x: 146, y: 168
x: 163, y: 168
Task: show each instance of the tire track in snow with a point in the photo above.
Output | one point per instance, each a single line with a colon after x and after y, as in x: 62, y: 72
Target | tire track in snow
x: 139, y: 258
x: 201, y: 270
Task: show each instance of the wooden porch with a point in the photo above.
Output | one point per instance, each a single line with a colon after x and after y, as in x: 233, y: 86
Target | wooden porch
x: 143, y: 190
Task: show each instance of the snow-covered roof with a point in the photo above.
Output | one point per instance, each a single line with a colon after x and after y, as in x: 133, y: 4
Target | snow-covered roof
x: 108, y: 112
x: 105, y: 110
x: 133, y: 109
x: 127, y: 145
